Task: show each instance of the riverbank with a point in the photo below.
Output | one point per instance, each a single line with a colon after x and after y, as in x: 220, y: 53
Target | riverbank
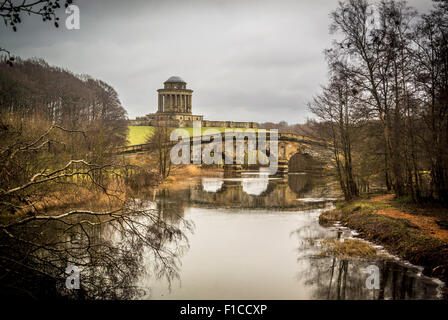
x: 416, y: 234
x: 79, y: 197
x: 182, y: 176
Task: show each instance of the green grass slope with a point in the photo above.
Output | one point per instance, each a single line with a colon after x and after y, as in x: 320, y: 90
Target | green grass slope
x: 140, y: 134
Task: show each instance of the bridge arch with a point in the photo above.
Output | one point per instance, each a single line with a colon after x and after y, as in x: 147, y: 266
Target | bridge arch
x: 301, y: 162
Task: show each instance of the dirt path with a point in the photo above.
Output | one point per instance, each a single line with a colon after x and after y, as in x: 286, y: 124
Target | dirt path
x: 424, y: 223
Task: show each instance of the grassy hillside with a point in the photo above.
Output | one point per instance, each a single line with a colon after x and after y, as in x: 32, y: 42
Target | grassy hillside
x: 140, y: 134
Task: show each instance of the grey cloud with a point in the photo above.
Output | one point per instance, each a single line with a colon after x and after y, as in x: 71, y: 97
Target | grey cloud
x: 257, y: 60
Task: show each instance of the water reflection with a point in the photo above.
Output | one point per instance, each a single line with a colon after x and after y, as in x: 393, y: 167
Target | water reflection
x: 339, y: 279
x: 257, y: 185
x: 108, y: 251
x: 212, y: 184
x: 247, y: 238
x: 246, y: 246
x: 260, y: 191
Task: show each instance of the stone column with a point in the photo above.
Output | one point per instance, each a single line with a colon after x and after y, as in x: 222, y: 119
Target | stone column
x: 283, y: 162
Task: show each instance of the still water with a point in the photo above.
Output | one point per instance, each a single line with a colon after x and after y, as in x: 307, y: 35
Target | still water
x: 257, y: 237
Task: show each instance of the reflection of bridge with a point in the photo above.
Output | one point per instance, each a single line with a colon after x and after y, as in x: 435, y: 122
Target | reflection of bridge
x: 264, y: 193
x: 289, y: 146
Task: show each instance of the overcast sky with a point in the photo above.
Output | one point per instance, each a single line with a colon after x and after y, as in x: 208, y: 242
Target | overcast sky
x: 246, y: 60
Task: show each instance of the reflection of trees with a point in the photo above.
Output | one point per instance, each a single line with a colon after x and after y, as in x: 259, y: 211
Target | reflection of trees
x: 170, y: 205
x: 309, y: 185
x: 335, y: 279
x: 307, y: 237
x: 107, y: 247
x: 303, y: 162
x: 340, y: 279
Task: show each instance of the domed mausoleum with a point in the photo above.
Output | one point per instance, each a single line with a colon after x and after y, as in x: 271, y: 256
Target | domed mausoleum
x: 174, y: 105
x: 174, y: 109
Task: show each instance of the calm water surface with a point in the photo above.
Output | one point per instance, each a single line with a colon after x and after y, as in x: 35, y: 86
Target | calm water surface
x: 259, y: 238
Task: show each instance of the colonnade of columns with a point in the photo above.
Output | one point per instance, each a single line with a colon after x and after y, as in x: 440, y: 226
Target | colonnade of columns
x: 175, y: 102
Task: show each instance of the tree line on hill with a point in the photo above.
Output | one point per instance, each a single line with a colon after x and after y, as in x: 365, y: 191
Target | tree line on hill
x: 53, y: 121
x: 34, y: 90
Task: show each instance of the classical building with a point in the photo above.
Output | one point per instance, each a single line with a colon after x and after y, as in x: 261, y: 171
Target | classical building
x: 174, y: 105
x: 175, y: 109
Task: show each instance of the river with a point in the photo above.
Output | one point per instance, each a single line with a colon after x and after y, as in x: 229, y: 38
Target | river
x: 257, y: 237
x: 252, y: 237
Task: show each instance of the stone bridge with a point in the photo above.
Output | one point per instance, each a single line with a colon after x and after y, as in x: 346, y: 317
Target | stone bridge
x: 295, y: 153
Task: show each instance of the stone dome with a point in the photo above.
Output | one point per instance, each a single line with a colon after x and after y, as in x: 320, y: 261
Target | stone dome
x: 175, y: 79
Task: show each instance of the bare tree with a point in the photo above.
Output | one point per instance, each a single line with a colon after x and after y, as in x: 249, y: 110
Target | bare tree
x: 39, y: 249
x: 396, y: 63
x: 38, y: 244
x: 12, y: 12
x: 161, y: 146
x: 335, y: 107
x: 431, y: 82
